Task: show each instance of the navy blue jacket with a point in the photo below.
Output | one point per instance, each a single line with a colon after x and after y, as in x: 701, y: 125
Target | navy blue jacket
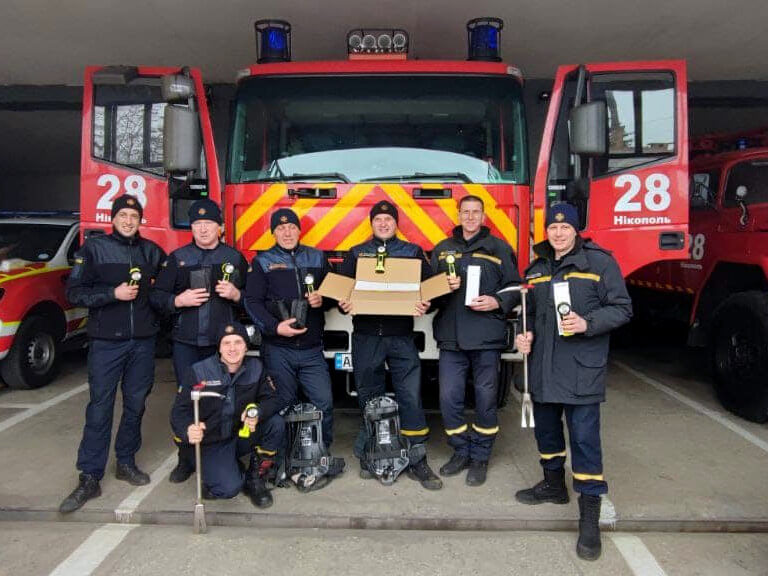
x: 278, y: 275
x: 384, y: 325
x: 198, y: 325
x: 458, y: 327
x: 102, y: 264
x: 249, y: 385
x: 571, y: 369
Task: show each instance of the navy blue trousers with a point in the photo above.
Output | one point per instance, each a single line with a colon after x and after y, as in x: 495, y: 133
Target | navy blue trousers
x: 584, y: 433
x: 130, y: 364
x: 305, y: 370
x: 369, y: 353
x: 184, y: 355
x: 221, y: 472
x: 475, y: 442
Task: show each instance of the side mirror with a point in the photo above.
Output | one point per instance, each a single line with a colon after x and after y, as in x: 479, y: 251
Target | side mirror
x: 588, y: 125
x: 741, y: 192
x: 700, y: 197
x: 181, y: 140
x: 177, y: 88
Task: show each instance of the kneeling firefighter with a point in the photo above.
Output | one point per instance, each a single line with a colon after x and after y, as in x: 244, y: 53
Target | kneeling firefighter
x: 309, y: 464
x: 242, y: 419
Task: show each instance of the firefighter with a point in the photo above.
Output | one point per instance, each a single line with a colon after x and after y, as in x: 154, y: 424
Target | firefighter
x: 112, y: 276
x: 282, y: 279
x: 377, y: 339
x: 471, y: 338
x: 568, y: 371
x: 201, y: 287
x: 244, y: 420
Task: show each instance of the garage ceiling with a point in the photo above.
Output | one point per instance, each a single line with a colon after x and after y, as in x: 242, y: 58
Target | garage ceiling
x: 50, y: 43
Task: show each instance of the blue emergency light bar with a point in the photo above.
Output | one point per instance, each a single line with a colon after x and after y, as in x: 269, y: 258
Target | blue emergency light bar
x: 484, y: 39
x: 273, y: 41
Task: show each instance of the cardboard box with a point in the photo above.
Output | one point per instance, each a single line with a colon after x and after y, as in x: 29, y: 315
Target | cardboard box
x: 392, y: 292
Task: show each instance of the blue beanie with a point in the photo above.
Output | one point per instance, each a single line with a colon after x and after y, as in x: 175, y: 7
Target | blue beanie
x: 563, y: 213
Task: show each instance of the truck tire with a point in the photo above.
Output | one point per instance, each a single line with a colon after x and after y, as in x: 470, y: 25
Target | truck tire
x: 740, y: 355
x: 34, y: 357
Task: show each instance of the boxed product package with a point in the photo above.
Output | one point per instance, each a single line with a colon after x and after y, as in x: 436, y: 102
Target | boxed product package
x: 395, y: 290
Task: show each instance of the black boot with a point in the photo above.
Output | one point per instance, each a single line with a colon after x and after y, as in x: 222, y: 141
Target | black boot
x: 477, y: 472
x: 424, y: 474
x: 551, y: 489
x: 131, y: 474
x: 87, y: 488
x: 456, y: 464
x: 184, y: 469
x: 588, y: 546
x: 255, y: 484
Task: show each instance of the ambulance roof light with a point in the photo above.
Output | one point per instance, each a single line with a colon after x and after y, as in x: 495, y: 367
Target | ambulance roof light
x: 273, y: 41
x: 484, y: 39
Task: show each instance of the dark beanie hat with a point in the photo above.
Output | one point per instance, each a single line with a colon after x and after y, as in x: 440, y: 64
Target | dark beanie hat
x: 283, y: 216
x: 563, y: 213
x: 126, y: 201
x: 231, y: 328
x: 205, y: 209
x: 384, y: 207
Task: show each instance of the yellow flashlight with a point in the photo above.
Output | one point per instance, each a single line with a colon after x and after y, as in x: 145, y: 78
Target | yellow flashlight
x: 381, y: 254
x: 563, y: 309
x: 251, y: 411
x: 451, y: 261
x: 135, y: 274
x: 226, y: 270
x: 309, y: 282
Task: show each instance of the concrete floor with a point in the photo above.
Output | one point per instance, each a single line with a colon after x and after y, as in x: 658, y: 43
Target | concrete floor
x: 671, y: 468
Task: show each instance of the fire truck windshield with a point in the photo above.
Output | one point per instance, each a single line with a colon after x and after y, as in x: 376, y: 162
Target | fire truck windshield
x: 379, y: 128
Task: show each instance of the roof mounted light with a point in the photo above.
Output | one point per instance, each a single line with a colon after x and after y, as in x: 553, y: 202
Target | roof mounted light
x: 484, y: 39
x: 378, y: 43
x: 273, y: 41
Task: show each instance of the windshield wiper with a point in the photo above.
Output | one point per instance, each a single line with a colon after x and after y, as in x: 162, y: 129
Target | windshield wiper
x: 296, y: 177
x: 423, y: 176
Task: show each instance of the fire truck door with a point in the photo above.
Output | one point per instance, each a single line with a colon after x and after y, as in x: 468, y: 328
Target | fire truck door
x: 616, y: 146
x: 122, y: 152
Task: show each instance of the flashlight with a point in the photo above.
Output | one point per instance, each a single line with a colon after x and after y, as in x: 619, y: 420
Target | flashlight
x: 451, y: 261
x: 309, y: 281
x: 381, y: 253
x: 563, y: 309
x: 226, y: 270
x: 135, y: 274
x: 251, y: 411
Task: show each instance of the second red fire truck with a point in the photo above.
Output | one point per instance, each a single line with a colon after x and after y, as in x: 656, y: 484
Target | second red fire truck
x: 721, y: 288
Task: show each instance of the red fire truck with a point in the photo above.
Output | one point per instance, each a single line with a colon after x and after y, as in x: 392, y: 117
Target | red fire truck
x: 330, y: 138
x: 721, y: 289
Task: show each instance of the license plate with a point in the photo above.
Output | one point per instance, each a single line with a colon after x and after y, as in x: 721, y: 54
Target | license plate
x: 343, y: 361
